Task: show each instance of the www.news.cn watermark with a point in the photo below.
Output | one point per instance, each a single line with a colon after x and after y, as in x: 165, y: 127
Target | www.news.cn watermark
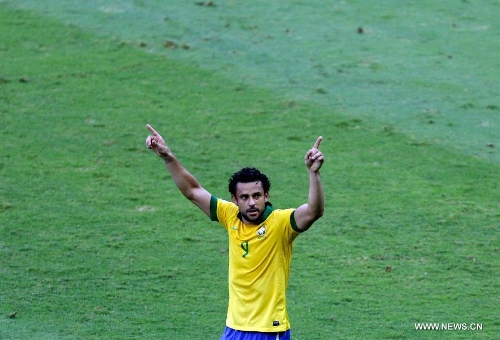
x: 448, y: 326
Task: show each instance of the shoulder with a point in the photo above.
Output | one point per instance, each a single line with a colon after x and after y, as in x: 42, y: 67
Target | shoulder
x: 285, y: 217
x: 220, y: 208
x: 282, y: 213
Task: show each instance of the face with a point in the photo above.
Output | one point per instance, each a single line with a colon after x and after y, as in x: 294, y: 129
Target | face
x: 251, y: 200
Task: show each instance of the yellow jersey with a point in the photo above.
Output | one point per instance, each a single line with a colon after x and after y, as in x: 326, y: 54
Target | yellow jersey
x: 259, y: 266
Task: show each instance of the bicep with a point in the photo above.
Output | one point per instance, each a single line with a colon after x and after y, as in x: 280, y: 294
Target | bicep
x: 201, y: 198
x: 303, y: 218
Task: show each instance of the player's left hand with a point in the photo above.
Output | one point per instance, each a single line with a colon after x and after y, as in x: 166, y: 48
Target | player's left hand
x: 314, y: 158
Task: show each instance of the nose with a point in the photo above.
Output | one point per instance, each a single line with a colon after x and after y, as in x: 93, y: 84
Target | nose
x: 251, y: 202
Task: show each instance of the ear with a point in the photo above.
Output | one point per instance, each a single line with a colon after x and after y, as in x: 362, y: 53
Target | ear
x: 233, y: 198
x: 266, y: 196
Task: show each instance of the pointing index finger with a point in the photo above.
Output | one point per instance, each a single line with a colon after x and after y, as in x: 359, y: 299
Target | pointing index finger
x: 153, y: 131
x: 316, y: 144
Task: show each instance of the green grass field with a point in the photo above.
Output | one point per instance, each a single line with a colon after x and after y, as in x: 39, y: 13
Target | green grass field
x: 97, y: 243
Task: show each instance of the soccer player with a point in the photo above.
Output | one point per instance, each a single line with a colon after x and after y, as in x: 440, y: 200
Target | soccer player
x: 260, y: 240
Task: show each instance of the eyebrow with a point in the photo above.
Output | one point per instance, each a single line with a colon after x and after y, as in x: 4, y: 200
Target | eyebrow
x: 253, y: 194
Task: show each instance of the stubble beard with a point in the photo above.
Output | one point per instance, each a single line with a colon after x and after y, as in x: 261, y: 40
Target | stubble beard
x: 252, y: 219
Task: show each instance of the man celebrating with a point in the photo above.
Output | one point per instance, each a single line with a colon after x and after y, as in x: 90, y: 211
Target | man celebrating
x: 260, y: 240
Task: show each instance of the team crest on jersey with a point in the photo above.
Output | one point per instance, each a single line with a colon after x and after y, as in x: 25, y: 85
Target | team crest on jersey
x: 261, y: 233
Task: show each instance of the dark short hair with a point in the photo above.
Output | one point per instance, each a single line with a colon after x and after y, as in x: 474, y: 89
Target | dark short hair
x: 247, y: 175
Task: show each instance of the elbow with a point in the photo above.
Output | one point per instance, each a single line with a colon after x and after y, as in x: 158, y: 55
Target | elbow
x: 319, y: 210
x: 317, y: 213
x: 190, y: 195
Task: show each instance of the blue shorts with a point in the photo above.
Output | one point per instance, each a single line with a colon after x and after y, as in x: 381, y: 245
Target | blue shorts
x: 233, y: 334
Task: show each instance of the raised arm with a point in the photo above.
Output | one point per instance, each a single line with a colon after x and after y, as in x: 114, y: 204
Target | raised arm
x: 187, y: 183
x: 306, y: 214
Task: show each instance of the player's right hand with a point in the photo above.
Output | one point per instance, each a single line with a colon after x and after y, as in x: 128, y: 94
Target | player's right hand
x: 156, y: 143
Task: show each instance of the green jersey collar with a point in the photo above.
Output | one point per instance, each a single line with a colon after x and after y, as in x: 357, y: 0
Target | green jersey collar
x: 269, y: 209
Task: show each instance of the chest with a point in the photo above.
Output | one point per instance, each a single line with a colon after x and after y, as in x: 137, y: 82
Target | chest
x: 254, y: 243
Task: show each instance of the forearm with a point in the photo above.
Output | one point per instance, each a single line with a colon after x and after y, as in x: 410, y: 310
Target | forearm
x: 307, y: 213
x: 186, y: 182
x: 316, y: 200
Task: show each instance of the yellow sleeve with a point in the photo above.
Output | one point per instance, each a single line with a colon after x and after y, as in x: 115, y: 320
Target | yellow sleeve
x: 287, y: 220
x: 222, y: 211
